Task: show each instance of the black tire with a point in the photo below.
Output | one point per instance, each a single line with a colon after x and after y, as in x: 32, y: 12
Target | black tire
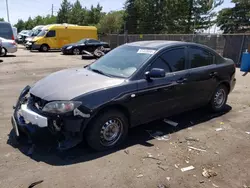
x: 215, y: 104
x: 4, y: 52
x: 44, y: 48
x: 96, y: 130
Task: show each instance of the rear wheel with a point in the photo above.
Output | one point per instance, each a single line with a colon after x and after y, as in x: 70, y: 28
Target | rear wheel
x: 44, y: 48
x: 219, y: 99
x: 4, y: 52
x: 107, y: 131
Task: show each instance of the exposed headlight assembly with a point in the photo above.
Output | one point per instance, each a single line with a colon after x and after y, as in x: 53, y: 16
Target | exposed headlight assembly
x: 61, y: 107
x: 69, y: 47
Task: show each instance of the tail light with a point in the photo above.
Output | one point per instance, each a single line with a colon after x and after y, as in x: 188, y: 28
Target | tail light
x: 13, y: 38
x: 14, y: 43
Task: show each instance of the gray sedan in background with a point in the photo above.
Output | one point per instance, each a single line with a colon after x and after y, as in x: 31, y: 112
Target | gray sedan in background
x: 8, y: 46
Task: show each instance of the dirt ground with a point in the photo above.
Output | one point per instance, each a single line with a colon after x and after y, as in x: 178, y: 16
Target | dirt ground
x: 143, y: 161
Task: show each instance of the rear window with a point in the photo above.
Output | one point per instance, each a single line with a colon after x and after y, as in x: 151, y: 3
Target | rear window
x: 6, y: 31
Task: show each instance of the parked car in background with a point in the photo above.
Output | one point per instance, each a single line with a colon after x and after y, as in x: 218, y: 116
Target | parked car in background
x: 6, y: 31
x: 89, y: 45
x: 57, y: 35
x: 133, y: 84
x: 23, y: 35
x: 34, y: 32
x: 8, y: 46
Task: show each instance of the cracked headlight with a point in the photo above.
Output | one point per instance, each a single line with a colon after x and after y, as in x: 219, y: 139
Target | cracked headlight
x: 61, y: 107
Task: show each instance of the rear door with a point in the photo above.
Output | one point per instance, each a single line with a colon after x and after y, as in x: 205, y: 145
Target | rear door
x: 203, y: 75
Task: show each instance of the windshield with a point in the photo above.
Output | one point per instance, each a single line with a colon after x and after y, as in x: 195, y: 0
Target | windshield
x: 81, y: 41
x: 122, y: 61
x: 42, y: 33
x: 36, y: 32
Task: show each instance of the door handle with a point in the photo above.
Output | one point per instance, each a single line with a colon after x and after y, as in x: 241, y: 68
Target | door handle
x: 213, y: 74
x: 182, y: 80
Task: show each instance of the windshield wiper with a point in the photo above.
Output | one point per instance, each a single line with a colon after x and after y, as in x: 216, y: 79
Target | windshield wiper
x: 98, y: 71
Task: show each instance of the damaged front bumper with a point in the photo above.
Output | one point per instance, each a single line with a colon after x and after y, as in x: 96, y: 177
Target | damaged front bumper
x: 29, y: 119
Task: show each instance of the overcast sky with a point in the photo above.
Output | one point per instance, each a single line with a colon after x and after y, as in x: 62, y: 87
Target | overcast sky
x: 22, y: 9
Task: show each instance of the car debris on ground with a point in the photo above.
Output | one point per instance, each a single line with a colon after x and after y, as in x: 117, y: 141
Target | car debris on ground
x: 140, y: 176
x: 197, y: 149
x: 174, y: 124
x: 208, y: 173
x: 126, y: 151
x: 248, y: 132
x: 158, y: 135
x: 187, y: 168
x: 35, y: 183
x: 162, y: 186
x: 218, y: 129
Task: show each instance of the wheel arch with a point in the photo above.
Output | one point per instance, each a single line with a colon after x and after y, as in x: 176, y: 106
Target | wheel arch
x: 227, y: 84
x: 118, y: 107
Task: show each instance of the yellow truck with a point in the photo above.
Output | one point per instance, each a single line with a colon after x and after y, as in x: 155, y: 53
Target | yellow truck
x: 57, y: 35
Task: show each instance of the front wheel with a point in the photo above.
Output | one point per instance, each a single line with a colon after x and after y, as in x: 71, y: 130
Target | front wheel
x: 219, y: 99
x: 76, y: 51
x: 44, y: 48
x: 107, y: 131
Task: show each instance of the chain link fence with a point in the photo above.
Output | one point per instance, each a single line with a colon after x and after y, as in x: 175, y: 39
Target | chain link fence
x: 230, y: 46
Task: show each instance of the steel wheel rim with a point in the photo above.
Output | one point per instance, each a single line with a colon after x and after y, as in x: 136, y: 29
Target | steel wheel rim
x: 220, y: 98
x: 111, y: 132
x: 76, y: 51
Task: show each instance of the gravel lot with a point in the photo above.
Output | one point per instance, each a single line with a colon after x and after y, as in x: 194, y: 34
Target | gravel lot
x: 143, y: 161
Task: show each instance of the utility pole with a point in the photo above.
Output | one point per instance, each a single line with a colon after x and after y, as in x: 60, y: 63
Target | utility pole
x: 52, y: 10
x: 7, y: 8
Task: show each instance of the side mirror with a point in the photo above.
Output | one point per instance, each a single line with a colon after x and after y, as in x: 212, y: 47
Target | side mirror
x: 155, y: 73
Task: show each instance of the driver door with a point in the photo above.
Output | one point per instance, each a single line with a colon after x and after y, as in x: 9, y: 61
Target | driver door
x: 162, y: 97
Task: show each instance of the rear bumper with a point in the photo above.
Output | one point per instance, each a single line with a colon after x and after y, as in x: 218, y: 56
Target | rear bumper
x: 233, y: 83
x: 12, y: 49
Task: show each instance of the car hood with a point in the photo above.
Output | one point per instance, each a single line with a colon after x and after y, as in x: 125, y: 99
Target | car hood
x: 70, y: 83
x: 36, y: 38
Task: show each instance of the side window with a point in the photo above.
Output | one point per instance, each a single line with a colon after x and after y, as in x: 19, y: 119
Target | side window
x: 92, y: 41
x: 199, y: 57
x: 159, y: 63
x: 51, y: 33
x: 175, y: 59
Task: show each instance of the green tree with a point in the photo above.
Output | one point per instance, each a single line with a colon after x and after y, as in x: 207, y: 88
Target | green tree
x: 64, y: 12
x: 94, y: 15
x: 29, y: 24
x: 20, y: 25
x: 112, y: 22
x: 38, y: 20
x: 131, y: 16
x: 77, y: 15
x: 1, y: 19
x: 236, y: 19
x: 49, y: 19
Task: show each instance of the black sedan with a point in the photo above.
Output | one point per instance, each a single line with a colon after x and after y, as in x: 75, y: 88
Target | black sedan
x: 89, y: 45
x: 134, y: 84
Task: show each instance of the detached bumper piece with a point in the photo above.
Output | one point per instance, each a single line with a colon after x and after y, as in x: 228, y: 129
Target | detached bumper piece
x: 30, y: 120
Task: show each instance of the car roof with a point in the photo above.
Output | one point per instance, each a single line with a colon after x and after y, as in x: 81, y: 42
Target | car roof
x: 158, y: 44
